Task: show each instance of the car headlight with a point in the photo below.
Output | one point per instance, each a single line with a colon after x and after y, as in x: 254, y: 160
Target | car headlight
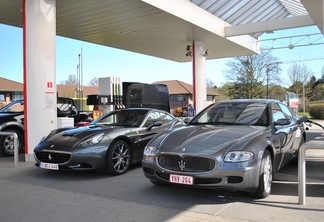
x: 149, y: 151
x: 93, y: 140
x: 238, y: 156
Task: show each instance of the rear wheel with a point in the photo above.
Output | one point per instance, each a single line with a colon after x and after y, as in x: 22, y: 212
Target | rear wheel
x: 7, y: 143
x: 265, y: 176
x: 119, y: 158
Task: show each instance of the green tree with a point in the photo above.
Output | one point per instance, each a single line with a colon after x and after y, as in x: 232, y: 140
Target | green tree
x: 249, y: 74
x: 310, y: 88
x: 275, y: 92
x: 317, y: 92
x: 223, y: 91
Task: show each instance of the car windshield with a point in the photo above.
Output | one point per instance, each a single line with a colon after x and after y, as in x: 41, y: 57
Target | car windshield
x: 234, y: 113
x: 128, y: 118
x: 16, y: 106
x: 64, y: 107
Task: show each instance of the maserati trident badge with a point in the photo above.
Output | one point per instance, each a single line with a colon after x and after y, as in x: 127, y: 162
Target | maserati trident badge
x: 182, y: 165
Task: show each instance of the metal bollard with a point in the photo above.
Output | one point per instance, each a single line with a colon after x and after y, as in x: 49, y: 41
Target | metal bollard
x: 302, y: 168
x: 15, y: 136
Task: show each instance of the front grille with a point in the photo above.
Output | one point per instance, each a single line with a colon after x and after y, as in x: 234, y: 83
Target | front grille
x: 186, y: 163
x: 52, y: 157
x: 208, y: 180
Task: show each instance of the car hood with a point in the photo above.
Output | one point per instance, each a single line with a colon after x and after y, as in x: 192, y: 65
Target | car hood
x: 72, y: 136
x: 207, y: 139
x: 6, y: 117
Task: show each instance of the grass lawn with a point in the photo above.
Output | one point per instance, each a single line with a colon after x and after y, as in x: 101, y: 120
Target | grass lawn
x: 300, y: 114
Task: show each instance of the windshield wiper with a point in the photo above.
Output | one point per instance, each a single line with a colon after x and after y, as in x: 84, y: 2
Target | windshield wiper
x: 196, y: 123
x: 228, y: 123
x: 214, y: 123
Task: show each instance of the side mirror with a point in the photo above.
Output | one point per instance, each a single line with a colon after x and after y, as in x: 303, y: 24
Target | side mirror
x: 303, y: 119
x: 282, y: 122
x: 154, y: 124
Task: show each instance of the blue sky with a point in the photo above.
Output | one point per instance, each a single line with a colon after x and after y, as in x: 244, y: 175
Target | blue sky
x: 102, y: 61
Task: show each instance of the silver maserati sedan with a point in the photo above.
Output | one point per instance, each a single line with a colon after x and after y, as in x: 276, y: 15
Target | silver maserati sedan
x: 234, y: 144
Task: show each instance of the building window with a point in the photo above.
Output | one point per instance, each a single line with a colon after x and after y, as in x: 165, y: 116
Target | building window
x: 17, y: 95
x: 210, y: 98
x: 2, y: 97
x: 179, y: 98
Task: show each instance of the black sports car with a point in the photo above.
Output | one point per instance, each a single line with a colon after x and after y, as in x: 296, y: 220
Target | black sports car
x: 112, y: 142
x: 235, y: 144
x: 12, y: 120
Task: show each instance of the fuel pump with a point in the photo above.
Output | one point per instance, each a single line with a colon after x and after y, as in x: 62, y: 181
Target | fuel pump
x: 109, y: 97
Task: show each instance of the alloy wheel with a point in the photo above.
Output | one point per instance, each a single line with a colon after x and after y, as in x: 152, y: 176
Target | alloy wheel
x: 267, y: 174
x: 120, y: 157
x: 9, y: 144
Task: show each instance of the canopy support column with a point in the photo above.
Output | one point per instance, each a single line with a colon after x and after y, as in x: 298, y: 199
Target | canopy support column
x: 199, y: 54
x: 39, y: 33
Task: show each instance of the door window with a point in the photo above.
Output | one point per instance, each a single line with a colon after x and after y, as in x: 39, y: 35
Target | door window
x: 277, y: 112
x: 286, y: 111
x: 158, y: 116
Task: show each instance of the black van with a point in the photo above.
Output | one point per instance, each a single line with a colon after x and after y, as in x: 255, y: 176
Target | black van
x: 146, y: 95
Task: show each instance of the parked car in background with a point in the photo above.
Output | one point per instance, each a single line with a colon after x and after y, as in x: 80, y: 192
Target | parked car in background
x: 235, y: 144
x: 111, y: 143
x: 12, y: 120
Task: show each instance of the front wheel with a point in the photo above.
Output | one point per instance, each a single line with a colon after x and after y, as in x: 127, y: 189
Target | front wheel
x: 118, y: 158
x: 7, y: 143
x: 265, y: 176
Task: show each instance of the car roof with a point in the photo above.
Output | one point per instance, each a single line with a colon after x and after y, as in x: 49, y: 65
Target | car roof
x: 17, y: 100
x: 264, y: 101
x: 142, y: 108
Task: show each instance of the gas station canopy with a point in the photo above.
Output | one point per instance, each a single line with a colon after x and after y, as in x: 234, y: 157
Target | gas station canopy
x: 164, y: 28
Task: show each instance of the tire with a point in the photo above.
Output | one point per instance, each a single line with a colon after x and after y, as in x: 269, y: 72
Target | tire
x: 7, y: 143
x: 265, y: 176
x: 118, y: 158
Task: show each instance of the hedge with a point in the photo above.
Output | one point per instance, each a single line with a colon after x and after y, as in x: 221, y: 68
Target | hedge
x: 316, y: 109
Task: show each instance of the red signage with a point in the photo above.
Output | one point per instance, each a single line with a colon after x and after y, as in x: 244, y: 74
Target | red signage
x: 293, y: 103
x: 49, y: 85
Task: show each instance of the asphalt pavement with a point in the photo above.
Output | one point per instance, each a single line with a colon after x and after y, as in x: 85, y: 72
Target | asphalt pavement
x: 30, y: 194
